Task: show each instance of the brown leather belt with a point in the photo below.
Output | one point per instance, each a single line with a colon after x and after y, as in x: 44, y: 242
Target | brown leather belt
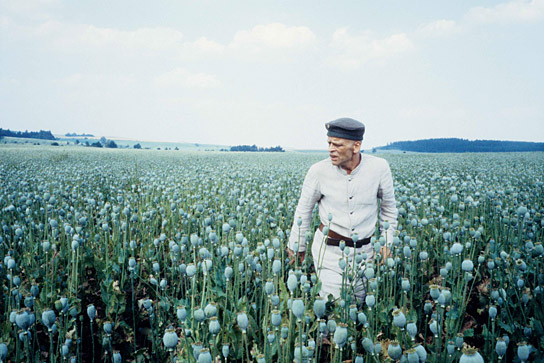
x: 333, y: 239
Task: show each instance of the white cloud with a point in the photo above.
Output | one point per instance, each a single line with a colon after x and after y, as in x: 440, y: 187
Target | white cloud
x: 205, y: 45
x: 439, y: 28
x: 29, y: 9
x: 274, y: 35
x: 200, y: 48
x: 89, y: 36
x: 355, y: 50
x: 184, y: 78
x: 97, y: 82
x: 515, y: 11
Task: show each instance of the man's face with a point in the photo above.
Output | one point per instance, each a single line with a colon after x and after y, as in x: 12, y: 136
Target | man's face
x: 342, y: 151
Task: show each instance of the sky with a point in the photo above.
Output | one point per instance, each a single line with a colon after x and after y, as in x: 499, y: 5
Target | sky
x: 273, y: 72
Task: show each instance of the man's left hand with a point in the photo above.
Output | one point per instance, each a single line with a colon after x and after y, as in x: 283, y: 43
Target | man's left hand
x: 385, y: 252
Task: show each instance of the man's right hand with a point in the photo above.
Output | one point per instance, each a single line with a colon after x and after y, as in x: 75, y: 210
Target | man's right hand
x: 291, y: 255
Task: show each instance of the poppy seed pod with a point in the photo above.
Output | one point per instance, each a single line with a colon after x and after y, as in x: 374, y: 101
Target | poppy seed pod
x: 48, y: 318
x: 22, y: 319
x: 292, y: 283
x: 275, y: 318
x: 35, y: 290
x: 199, y: 315
x: 456, y: 249
x: 210, y: 310
x: 405, y: 284
x: 467, y: 265
x: 191, y: 270
x: 411, y: 329
x: 500, y: 347
x: 421, y: 352
x: 399, y: 319
x: 524, y: 350
x: 11, y: 264
x: 91, y: 312
x: 170, y: 339
x: 434, y: 291
x: 407, y: 252
x: 459, y: 339
x: 471, y: 355
x: 207, y: 265
x: 131, y: 263
x: 331, y: 325
x: 269, y: 287
x: 213, y: 326
x: 319, y: 307
x: 284, y: 331
x: 353, y: 312
x: 394, y: 350
x: 340, y: 335
x: 225, y: 350
x: 228, y: 272
x: 370, y: 300
x: 434, y: 327
x: 108, y: 327
x: 322, y: 326
x: 197, y: 348
x: 492, y: 312
x: 411, y: 356
x: 298, y: 308
x: 242, y: 321
x: 361, y: 317
x: 368, y: 345
x: 181, y: 313
x: 450, y: 347
x: 204, y: 356
x: 270, y: 253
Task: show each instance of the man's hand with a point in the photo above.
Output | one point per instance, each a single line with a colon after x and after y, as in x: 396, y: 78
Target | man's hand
x: 385, y: 252
x: 291, y: 255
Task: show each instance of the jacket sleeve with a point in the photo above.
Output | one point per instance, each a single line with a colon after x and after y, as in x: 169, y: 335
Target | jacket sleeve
x: 309, y: 195
x: 388, y: 205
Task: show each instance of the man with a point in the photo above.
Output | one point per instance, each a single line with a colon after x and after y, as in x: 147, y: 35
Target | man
x: 347, y: 187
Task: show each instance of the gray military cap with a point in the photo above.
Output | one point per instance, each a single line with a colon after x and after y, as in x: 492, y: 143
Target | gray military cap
x: 346, y: 128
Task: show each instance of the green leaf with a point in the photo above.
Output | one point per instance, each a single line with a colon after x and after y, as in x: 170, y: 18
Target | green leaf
x: 506, y: 327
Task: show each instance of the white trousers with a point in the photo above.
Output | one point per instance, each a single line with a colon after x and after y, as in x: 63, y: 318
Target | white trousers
x: 326, y: 261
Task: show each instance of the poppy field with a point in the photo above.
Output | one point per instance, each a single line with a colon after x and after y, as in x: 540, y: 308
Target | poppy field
x: 142, y: 255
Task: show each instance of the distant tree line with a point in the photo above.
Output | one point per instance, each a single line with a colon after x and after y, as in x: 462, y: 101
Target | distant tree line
x: 254, y: 148
x: 43, y: 135
x: 73, y: 134
x: 454, y: 145
x: 103, y: 142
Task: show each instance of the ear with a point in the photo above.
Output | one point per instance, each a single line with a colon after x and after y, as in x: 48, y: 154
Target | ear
x: 356, y: 147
